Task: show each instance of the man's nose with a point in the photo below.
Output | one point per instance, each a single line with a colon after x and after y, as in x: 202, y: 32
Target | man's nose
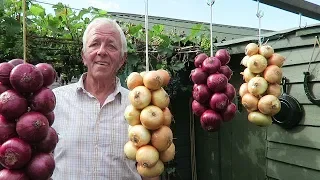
x: 102, y: 51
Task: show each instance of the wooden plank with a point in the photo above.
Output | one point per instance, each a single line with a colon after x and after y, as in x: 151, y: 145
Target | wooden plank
x: 306, y: 136
x: 295, y: 155
x: 284, y: 171
x: 297, y: 91
x: 295, y: 73
x: 299, y: 55
x: 311, y: 115
x: 207, y: 158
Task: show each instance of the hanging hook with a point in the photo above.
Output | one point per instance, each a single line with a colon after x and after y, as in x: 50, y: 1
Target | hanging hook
x: 210, y: 3
x: 300, y: 17
x: 307, y: 76
x: 147, y: 30
x: 259, y: 15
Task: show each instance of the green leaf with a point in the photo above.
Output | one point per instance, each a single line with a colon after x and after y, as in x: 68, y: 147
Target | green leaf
x: 177, y: 66
x: 37, y: 10
x: 157, y: 29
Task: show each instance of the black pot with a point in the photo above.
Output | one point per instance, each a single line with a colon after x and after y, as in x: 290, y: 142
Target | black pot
x: 291, y: 111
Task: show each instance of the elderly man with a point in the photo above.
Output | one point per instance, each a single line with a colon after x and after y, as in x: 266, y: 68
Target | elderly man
x: 89, y: 114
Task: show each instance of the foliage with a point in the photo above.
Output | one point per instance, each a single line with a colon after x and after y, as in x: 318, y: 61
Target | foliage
x: 57, y: 39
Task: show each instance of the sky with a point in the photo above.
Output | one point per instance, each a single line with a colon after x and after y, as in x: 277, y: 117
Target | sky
x: 226, y: 12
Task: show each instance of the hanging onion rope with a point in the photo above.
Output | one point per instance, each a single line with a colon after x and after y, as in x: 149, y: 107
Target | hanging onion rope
x: 146, y: 29
x: 24, y: 31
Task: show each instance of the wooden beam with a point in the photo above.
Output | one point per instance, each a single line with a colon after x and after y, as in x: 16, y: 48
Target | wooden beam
x: 306, y: 8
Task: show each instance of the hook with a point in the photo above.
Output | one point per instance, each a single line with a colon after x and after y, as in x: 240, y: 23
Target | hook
x: 259, y: 14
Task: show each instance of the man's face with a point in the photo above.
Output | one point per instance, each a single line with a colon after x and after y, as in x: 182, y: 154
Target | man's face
x: 102, y: 54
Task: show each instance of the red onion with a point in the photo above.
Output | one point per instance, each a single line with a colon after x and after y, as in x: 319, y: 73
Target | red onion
x: 7, y: 129
x: 50, y: 116
x: 16, y: 62
x: 229, y: 113
x: 12, y: 104
x: 230, y: 91
x: 223, y: 55
x: 49, y: 143
x: 5, y: 70
x: 217, y: 82
x: 4, y: 87
x: 48, y: 73
x: 210, y: 120
x: 41, y: 166
x: 199, y: 59
x: 199, y: 76
x: 201, y: 93
x: 15, y: 153
x: 219, y: 102
x: 225, y: 70
x: 26, y: 78
x: 32, y: 127
x: 43, y: 101
x: 198, y: 108
x: 7, y: 174
x: 211, y: 65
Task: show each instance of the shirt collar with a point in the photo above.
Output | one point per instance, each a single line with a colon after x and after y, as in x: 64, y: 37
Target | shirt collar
x: 118, y: 90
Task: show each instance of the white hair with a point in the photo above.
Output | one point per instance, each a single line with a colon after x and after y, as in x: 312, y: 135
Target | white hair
x: 107, y: 21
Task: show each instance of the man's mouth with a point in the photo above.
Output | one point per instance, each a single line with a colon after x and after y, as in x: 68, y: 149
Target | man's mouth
x: 102, y: 63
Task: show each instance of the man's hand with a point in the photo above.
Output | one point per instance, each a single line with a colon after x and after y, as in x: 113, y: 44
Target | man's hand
x: 154, y: 178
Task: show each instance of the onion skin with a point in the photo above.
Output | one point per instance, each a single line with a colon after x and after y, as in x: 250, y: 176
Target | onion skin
x: 32, y: 127
x: 151, y: 117
x: 7, y: 174
x: 130, y: 150
x: 48, y: 72
x: 153, y: 80
x: 198, y: 108
x: 217, y: 82
x: 273, y: 74
x: 250, y: 102
x: 151, y: 172
x: 201, y: 93
x: 165, y: 76
x: 7, y: 129
x: 257, y: 63
x: 139, y: 135
x: 162, y: 138
x: 48, y: 144
x: 225, y: 70
x: 43, y: 101
x: 199, y: 76
x: 224, y: 56
x: 274, y: 89
x: 12, y: 101
x: 243, y: 89
x: 269, y: 105
x: 198, y: 60
x: 140, y: 97
x: 266, y: 51
x: 132, y: 115
x: 5, y: 70
x: 247, y: 75
x: 41, y: 166
x: 133, y: 80
x: 211, y: 65
x: 244, y: 60
x: 210, y: 120
x: 229, y: 113
x: 147, y: 156
x: 167, y: 117
x: 219, y: 102
x: 230, y: 92
x: 257, y: 86
x: 259, y: 119
x: 160, y: 98
x: 168, y: 154
x: 251, y: 49
x: 15, y: 153
x: 276, y: 59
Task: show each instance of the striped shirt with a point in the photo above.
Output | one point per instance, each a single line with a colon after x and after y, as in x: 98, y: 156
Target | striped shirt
x: 91, y: 137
